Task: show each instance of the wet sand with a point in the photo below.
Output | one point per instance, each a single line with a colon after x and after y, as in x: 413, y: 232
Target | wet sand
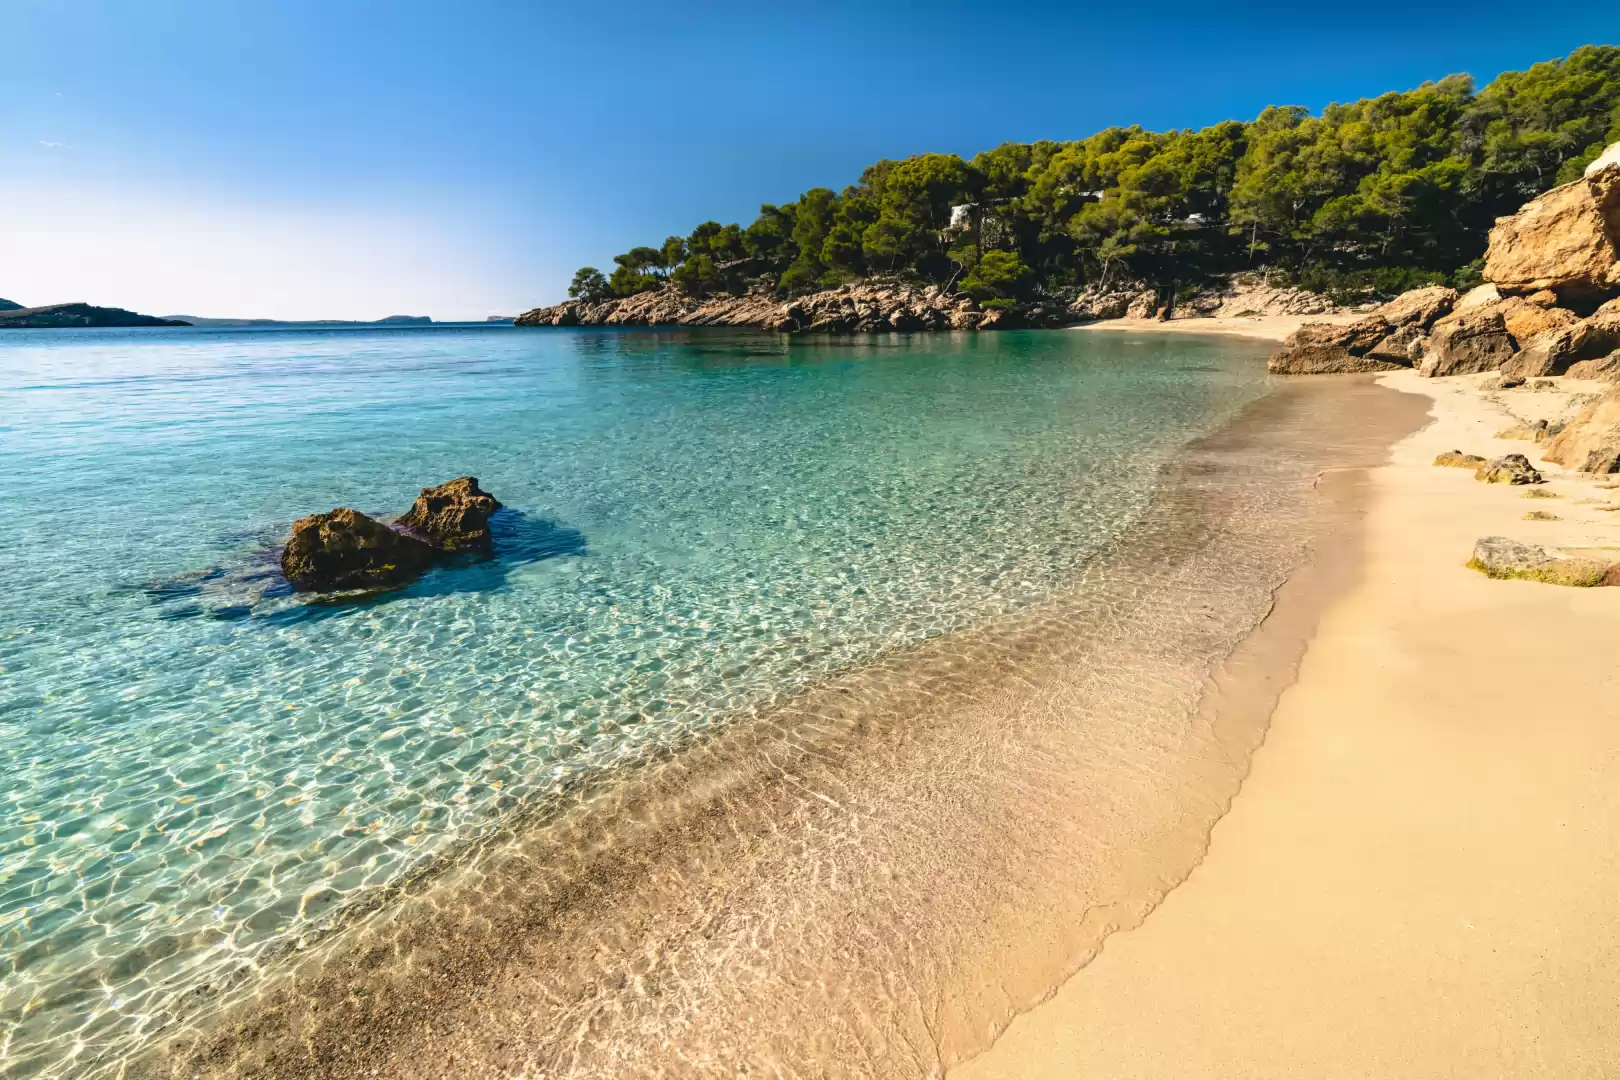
x: 1418, y: 878
x: 871, y: 880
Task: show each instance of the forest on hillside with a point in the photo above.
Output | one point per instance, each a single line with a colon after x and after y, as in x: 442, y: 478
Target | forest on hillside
x: 1374, y: 196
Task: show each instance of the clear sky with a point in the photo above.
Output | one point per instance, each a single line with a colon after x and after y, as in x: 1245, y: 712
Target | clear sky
x: 459, y: 158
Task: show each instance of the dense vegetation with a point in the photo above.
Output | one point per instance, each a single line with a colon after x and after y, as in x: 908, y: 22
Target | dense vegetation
x: 1377, y: 195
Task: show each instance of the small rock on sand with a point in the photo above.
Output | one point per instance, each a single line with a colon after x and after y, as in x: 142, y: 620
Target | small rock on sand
x: 1500, y: 557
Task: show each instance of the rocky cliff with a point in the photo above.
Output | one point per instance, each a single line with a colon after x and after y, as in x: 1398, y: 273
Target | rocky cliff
x: 77, y: 315
x: 1550, y: 306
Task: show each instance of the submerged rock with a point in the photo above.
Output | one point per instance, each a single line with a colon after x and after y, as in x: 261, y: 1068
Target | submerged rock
x: 1500, y: 557
x: 1509, y: 469
x: 453, y: 516
x: 345, y: 549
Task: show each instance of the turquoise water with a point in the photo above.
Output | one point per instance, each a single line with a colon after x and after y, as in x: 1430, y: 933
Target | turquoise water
x: 200, y: 766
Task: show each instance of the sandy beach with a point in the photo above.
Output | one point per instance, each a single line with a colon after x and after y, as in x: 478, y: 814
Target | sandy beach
x: 1418, y: 876
x: 1268, y: 327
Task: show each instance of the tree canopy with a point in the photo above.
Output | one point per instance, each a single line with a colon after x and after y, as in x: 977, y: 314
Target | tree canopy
x: 1381, y: 194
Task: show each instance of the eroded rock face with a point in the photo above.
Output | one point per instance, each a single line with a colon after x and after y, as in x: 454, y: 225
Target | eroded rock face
x: 1605, y: 367
x: 1330, y: 349
x: 1564, y: 240
x: 453, y: 516
x: 1556, y: 351
x: 1501, y: 557
x: 1467, y: 342
x: 345, y: 549
x: 1591, y: 441
x: 1419, y: 307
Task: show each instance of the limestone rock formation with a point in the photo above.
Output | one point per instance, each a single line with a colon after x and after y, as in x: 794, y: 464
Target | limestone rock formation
x: 345, y: 549
x: 453, y: 516
x: 1553, y: 352
x: 1456, y: 459
x: 866, y: 307
x: 1330, y: 349
x: 1501, y: 557
x: 1468, y: 341
x: 1419, y: 307
x: 1566, y: 240
x: 1590, y: 442
x: 1606, y: 368
x: 1508, y: 469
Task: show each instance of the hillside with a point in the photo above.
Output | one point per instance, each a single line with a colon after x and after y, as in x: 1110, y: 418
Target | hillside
x: 77, y: 315
x: 1364, y: 200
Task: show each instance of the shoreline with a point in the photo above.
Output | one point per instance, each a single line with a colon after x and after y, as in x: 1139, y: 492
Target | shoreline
x: 1265, y: 327
x: 1415, y: 878
x: 930, y: 893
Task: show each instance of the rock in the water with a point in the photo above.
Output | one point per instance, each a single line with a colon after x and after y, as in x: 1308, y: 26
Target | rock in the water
x: 1331, y: 349
x: 1456, y: 459
x: 1500, y: 557
x: 348, y: 550
x: 1563, y: 240
x: 1591, y: 441
x: 1466, y: 342
x: 1508, y: 469
x: 452, y: 516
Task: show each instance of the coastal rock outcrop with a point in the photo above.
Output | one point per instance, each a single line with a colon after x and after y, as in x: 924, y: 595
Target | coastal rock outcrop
x: 1606, y: 368
x: 345, y: 549
x: 453, y: 516
x: 1555, y: 351
x: 866, y: 307
x: 1331, y: 349
x: 1467, y: 341
x: 1566, y: 240
x: 1501, y: 557
x: 1590, y: 442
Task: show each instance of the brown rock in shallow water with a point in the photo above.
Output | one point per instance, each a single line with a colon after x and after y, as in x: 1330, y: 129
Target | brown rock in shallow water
x: 1509, y: 469
x: 348, y: 550
x: 453, y: 516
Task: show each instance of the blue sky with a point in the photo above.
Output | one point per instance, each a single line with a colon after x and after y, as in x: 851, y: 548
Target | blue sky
x: 459, y: 158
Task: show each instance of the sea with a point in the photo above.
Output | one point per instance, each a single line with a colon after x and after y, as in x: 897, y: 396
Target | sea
x: 208, y: 778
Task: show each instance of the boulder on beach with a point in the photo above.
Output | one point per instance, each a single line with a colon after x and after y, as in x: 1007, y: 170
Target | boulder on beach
x: 1556, y: 351
x: 1332, y: 349
x: 1468, y: 341
x: 1501, y: 557
x: 1564, y: 240
x: 1456, y: 459
x: 1508, y: 469
x: 1419, y: 307
x: 345, y: 549
x: 453, y: 516
x: 1604, y: 367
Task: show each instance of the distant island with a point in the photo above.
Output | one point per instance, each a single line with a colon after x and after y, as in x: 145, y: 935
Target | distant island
x: 52, y: 316
x: 9, y: 305
x: 1366, y: 200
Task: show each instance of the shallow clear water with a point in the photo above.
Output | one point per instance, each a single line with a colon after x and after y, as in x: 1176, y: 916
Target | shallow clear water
x: 199, y: 765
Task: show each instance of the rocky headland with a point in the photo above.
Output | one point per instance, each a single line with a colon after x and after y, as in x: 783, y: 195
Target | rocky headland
x: 76, y: 315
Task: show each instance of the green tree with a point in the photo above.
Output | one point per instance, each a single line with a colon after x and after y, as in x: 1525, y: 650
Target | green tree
x: 589, y: 285
x: 1000, y: 276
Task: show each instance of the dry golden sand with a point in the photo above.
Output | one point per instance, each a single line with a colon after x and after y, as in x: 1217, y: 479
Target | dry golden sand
x: 1420, y: 875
